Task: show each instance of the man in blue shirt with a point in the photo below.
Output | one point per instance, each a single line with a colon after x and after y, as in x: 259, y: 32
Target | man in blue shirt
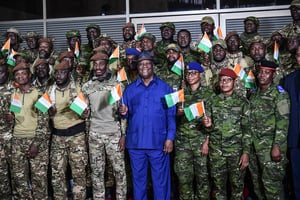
x: 151, y: 130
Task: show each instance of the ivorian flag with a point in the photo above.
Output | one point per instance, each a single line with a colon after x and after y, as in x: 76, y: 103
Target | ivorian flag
x: 178, y: 66
x: 44, y: 103
x: 194, y: 110
x: 250, y: 80
x: 16, y: 104
x: 205, y: 44
x: 175, y: 97
x: 239, y: 71
x: 115, y: 94
x: 79, y: 104
x: 140, y: 32
x: 219, y: 33
x: 121, y: 75
x: 77, y: 51
x: 115, y: 55
x: 10, y: 58
x: 276, y: 51
x: 6, y: 47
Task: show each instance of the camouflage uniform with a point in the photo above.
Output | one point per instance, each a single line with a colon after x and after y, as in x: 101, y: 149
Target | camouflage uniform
x: 269, y: 125
x: 229, y: 139
x: 31, y: 128
x: 105, y: 132
x: 189, y: 165
x: 5, y: 141
x: 169, y: 77
x: 68, y: 143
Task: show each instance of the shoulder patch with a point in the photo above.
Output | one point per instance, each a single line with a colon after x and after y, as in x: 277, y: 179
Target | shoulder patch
x: 280, y: 89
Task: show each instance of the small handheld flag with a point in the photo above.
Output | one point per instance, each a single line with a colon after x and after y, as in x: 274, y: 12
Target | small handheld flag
x: 16, y: 104
x: 276, y: 51
x: 219, y: 33
x: 10, y: 58
x: 140, y: 32
x: 175, y: 97
x: 178, y: 66
x: 194, y: 110
x: 121, y: 75
x: 44, y: 103
x: 6, y: 47
x: 79, y: 104
x: 115, y: 94
x: 205, y: 44
x: 77, y: 51
x: 115, y: 55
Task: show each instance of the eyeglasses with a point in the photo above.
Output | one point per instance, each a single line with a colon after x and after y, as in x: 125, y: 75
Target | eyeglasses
x: 226, y: 80
x: 193, y: 73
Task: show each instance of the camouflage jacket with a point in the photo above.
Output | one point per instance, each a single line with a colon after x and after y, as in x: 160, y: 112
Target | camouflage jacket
x: 6, y: 91
x: 172, y: 79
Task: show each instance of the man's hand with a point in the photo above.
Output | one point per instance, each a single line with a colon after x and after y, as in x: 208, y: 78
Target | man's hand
x: 205, y: 148
x: 168, y: 148
x: 276, y: 154
x: 123, y: 109
x: 207, y: 122
x: 33, y: 151
x: 244, y: 161
x: 122, y: 143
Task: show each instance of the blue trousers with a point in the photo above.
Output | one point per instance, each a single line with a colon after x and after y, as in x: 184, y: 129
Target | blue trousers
x: 160, y: 173
x: 295, y: 163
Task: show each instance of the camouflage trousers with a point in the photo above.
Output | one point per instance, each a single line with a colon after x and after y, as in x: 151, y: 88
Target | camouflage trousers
x: 191, y: 169
x: 72, y: 150
x: 102, y: 145
x: 29, y: 171
x: 267, y: 175
x: 5, y: 164
x: 225, y: 169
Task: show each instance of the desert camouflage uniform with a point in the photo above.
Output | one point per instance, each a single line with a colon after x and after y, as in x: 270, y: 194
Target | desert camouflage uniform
x: 68, y: 143
x: 290, y: 31
x: 31, y: 128
x: 5, y: 141
x: 246, y: 40
x: 229, y: 139
x: 189, y: 164
x: 269, y: 125
x: 105, y: 132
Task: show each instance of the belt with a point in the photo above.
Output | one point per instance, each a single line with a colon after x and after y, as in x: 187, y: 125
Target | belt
x: 78, y: 128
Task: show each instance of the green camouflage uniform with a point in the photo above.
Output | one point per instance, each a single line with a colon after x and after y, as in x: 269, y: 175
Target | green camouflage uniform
x: 269, y: 126
x: 160, y: 52
x: 105, y: 132
x: 189, y: 165
x: 5, y: 141
x: 291, y: 30
x: 229, y: 139
x: 31, y: 128
x: 168, y: 76
x: 70, y: 148
x: 246, y: 40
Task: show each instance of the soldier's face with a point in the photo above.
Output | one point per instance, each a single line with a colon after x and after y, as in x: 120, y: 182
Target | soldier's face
x: 42, y: 71
x: 31, y: 43
x: 22, y: 76
x: 167, y: 33
x: 44, y: 50
x: 265, y: 76
x: 19, y: 59
x: 233, y: 43
x: 147, y: 44
x: 128, y: 33
x: 72, y: 42
x: 257, y: 51
x: 250, y: 27
x: 92, y: 34
x: 207, y: 28
x: 107, y: 46
x: 146, y: 69
x: 131, y: 61
x: 192, y: 77
x: 292, y: 44
x: 3, y: 74
x: 62, y: 77
x: 295, y: 13
x: 13, y: 38
x: 183, y: 39
x: 226, y: 84
x: 298, y: 55
x: 172, y: 56
x: 219, y: 53
x: 100, y: 68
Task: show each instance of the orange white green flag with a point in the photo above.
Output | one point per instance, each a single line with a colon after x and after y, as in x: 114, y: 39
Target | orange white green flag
x: 178, y: 66
x: 44, y: 103
x: 115, y: 94
x: 6, y: 47
x: 77, y: 51
x: 115, y: 55
x: 205, y: 43
x: 276, y: 51
x: 219, y: 33
x: 142, y: 30
x: 10, y: 58
x: 173, y: 98
x: 16, y: 104
x: 239, y: 71
x: 194, y: 110
x: 79, y: 104
x: 121, y: 75
x: 250, y: 81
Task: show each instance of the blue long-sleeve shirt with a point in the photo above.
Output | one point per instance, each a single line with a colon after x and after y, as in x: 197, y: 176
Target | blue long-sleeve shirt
x: 150, y: 121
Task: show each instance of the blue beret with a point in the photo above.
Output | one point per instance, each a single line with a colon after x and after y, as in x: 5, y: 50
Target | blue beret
x: 132, y: 51
x: 195, y: 66
x: 145, y: 56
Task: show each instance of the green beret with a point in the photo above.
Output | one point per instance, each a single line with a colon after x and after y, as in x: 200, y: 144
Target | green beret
x: 220, y: 42
x: 95, y: 26
x: 207, y: 19
x: 148, y: 36
x: 73, y: 33
x: 31, y: 34
x: 173, y: 46
x: 295, y: 3
x: 253, y: 19
x: 167, y: 24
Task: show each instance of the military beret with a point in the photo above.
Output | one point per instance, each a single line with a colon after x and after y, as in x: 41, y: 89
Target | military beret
x: 99, y: 56
x: 99, y: 49
x: 148, y: 36
x: 145, y: 56
x: 167, y: 24
x: 31, y: 34
x: 46, y: 40
x: 95, y: 26
x: 207, y: 19
x: 228, y: 72
x: 270, y: 65
x: 21, y: 66
x: 295, y: 3
x: 253, y: 19
x: 194, y: 66
x: 40, y: 61
x: 173, y: 46
x: 65, y: 54
x: 132, y: 51
x: 62, y: 66
x: 73, y: 33
x: 220, y: 42
x: 129, y: 25
x: 232, y: 33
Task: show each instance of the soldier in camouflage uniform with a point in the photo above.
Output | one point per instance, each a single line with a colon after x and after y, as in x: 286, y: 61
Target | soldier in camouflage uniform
x: 227, y: 123
x: 148, y: 44
x: 251, y: 25
x: 93, y: 31
x: 190, y: 162
x: 68, y: 135
x: 258, y: 51
x: 6, y: 89
x: 42, y: 80
x: 30, y: 141
x: 269, y: 126
x: 107, y: 131
x: 32, y: 49
x: 15, y: 38
x: 128, y: 31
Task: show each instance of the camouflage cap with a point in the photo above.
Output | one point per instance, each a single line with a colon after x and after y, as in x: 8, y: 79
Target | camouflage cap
x: 220, y: 42
x: 173, y: 46
x: 62, y: 66
x: 295, y: 3
x: 95, y: 26
x: 66, y: 54
x: 230, y: 34
x: 73, y: 33
x: 21, y: 66
x: 31, y: 34
x: 40, y: 61
x: 129, y: 25
x: 228, y: 72
x: 99, y: 56
x: 23, y: 55
x: 148, y: 36
x: 258, y: 39
x: 253, y: 19
x: 106, y: 37
x: 207, y: 19
x: 12, y: 30
x: 167, y: 24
